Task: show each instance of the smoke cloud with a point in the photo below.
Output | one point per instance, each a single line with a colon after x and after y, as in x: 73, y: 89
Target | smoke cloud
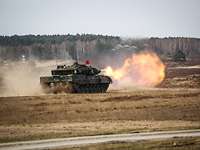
x: 22, y: 78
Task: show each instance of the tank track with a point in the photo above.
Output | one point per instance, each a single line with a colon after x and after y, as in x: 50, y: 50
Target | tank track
x: 76, y: 88
x: 91, y: 88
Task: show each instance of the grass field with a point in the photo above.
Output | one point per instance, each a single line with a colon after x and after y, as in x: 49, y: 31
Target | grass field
x: 49, y: 116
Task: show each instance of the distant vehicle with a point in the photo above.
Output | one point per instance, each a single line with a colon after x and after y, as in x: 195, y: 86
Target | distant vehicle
x: 179, y: 56
x: 76, y: 78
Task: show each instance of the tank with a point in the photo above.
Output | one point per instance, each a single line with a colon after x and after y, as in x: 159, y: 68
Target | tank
x: 76, y: 78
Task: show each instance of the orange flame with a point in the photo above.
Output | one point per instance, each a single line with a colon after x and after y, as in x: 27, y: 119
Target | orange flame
x: 142, y: 69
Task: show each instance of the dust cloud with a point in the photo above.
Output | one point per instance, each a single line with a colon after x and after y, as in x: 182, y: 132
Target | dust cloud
x: 22, y: 78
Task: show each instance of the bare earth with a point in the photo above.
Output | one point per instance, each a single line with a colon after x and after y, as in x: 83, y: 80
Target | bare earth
x: 48, y: 116
x: 99, y: 139
x: 186, y: 143
x: 118, y: 111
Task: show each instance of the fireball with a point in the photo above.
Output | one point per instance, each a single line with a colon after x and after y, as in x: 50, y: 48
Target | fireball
x: 142, y: 69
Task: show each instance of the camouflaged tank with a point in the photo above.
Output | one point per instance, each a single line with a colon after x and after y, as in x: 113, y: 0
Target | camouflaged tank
x: 77, y: 78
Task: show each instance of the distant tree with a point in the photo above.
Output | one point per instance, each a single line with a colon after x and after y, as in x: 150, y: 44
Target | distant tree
x: 179, y: 56
x: 43, y: 46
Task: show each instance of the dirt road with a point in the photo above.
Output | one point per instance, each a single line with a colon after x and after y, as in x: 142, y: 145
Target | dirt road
x: 85, y: 140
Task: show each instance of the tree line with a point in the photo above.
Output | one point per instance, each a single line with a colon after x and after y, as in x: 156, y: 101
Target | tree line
x: 27, y: 40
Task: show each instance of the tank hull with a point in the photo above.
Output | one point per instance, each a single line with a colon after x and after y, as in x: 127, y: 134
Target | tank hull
x: 75, y: 84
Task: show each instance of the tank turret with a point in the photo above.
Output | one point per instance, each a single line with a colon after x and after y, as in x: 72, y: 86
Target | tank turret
x: 76, y: 78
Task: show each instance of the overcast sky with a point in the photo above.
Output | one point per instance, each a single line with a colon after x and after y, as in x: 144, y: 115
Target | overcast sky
x: 133, y: 18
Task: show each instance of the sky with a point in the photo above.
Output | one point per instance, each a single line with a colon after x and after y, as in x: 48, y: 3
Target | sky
x: 126, y: 18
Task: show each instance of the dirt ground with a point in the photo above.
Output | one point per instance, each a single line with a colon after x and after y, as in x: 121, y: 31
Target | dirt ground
x: 175, y: 104
x: 48, y: 116
x: 165, y: 144
x: 182, y: 75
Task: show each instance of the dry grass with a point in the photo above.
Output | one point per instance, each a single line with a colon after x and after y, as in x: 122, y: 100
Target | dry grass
x: 65, y: 129
x: 48, y: 116
x: 182, y: 76
x: 133, y: 105
x: 167, y: 144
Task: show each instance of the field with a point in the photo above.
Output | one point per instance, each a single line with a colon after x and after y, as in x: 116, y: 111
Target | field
x: 169, y: 144
x: 175, y: 104
x: 47, y: 116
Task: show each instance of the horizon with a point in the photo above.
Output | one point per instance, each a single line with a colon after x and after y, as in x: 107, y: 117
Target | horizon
x: 123, y: 37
